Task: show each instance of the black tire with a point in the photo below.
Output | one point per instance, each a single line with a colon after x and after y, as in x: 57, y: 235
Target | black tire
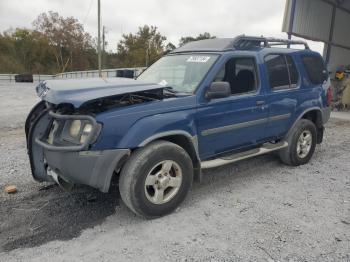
x: 290, y: 155
x: 133, y: 178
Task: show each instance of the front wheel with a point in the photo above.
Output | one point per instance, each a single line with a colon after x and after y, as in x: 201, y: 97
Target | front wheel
x: 156, y: 179
x: 301, y: 144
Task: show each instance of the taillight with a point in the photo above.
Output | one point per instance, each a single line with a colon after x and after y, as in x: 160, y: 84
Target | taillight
x: 329, y: 96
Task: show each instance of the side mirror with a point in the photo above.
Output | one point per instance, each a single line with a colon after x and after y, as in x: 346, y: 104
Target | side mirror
x: 218, y: 90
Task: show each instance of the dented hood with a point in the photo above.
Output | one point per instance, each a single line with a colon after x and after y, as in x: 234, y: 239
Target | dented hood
x: 79, y: 91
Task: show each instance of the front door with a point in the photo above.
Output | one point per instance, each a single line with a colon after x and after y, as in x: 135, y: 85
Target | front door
x: 238, y: 121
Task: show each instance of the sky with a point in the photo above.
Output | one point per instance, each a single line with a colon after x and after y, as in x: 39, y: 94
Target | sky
x: 174, y: 19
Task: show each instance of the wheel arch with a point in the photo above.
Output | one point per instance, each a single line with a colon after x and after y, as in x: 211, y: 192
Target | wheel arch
x: 183, y: 139
x: 315, y: 115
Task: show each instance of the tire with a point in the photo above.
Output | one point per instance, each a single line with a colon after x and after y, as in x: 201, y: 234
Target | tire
x: 149, y: 165
x: 295, y: 154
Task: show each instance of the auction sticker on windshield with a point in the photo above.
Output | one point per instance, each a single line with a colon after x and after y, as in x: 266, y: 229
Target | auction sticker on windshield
x: 198, y: 59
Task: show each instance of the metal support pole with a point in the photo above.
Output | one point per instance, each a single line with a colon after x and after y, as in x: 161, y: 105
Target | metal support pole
x: 330, y: 39
x: 103, y: 47
x: 99, y: 37
x: 291, y: 21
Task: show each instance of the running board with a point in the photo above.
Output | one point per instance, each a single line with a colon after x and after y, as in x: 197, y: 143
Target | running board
x: 224, y: 160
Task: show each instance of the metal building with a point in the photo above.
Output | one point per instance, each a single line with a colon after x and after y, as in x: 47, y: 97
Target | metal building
x: 327, y: 21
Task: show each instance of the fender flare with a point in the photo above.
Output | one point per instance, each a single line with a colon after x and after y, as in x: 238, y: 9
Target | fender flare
x: 192, y: 139
x: 302, y: 114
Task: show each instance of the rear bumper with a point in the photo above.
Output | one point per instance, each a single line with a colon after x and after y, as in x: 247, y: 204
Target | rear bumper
x: 92, y: 168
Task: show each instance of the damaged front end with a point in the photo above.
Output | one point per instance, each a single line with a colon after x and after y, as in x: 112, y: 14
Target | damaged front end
x: 59, y: 135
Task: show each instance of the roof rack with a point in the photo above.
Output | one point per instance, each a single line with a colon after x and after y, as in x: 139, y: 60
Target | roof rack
x: 246, y: 42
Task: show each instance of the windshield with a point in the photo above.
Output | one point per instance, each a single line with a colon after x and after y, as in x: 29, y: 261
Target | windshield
x: 182, y: 73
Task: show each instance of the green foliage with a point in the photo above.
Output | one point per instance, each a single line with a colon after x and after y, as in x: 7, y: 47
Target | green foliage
x: 187, y: 39
x: 140, y: 49
x: 57, y: 44
x: 68, y: 41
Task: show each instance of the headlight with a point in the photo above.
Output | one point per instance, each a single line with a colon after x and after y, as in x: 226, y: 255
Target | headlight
x: 73, y: 131
x: 86, y: 132
x: 76, y: 131
x: 74, y: 128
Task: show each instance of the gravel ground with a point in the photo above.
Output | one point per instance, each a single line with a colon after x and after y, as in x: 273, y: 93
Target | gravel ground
x: 255, y: 210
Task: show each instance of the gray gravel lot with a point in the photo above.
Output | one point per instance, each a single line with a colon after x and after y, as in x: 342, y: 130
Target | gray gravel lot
x: 256, y: 210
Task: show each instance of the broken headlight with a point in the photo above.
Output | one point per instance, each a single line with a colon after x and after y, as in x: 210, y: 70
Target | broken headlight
x: 74, y: 128
x: 86, y: 132
x: 72, y: 131
x: 76, y: 131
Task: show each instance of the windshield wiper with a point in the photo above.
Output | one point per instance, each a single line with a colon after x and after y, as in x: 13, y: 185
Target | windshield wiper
x: 170, y: 90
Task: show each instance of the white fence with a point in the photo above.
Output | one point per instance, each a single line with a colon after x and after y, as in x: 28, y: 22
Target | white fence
x: 36, y: 78
x: 77, y: 74
x: 94, y: 73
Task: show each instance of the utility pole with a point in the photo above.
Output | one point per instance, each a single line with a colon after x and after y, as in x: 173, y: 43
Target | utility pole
x: 99, y: 37
x: 103, y: 46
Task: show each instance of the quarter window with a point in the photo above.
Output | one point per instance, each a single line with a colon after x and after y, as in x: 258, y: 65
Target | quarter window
x: 315, y: 69
x: 282, y: 71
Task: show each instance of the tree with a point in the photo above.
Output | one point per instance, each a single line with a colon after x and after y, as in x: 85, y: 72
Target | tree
x: 187, y: 39
x: 170, y: 46
x: 24, y: 50
x: 32, y: 50
x: 140, y: 49
x: 9, y: 62
x: 67, y: 39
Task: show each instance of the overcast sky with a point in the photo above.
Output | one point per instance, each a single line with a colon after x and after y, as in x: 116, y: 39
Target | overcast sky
x: 222, y: 18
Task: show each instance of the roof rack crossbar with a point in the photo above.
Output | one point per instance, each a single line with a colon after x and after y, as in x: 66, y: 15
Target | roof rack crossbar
x: 278, y: 41
x: 245, y: 42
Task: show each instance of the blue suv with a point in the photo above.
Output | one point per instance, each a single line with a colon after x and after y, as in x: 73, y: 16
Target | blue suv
x: 206, y: 104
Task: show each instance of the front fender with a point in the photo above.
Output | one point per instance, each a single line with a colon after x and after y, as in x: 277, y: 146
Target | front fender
x: 152, y: 127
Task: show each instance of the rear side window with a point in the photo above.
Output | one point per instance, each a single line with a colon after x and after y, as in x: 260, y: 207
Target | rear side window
x: 315, y: 69
x: 293, y: 72
x: 282, y: 71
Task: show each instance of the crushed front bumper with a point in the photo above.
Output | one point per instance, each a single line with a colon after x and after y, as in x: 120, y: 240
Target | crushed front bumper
x: 74, y: 164
x: 92, y: 168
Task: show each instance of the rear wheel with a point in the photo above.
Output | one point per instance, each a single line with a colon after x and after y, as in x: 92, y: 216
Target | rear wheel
x: 156, y: 179
x: 301, y: 144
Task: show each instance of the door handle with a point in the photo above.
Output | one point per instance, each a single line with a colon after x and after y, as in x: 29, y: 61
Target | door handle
x: 260, y: 102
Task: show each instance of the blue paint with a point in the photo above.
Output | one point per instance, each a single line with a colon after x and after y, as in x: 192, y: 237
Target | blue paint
x: 128, y: 127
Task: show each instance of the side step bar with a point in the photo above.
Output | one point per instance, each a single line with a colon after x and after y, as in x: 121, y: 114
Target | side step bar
x: 224, y: 160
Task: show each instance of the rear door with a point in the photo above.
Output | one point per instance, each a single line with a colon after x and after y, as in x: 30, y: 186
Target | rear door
x: 237, y: 121
x: 282, y: 95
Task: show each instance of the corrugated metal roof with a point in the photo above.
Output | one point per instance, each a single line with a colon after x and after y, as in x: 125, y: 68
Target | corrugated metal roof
x: 312, y: 19
x: 322, y: 20
x: 341, y: 34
